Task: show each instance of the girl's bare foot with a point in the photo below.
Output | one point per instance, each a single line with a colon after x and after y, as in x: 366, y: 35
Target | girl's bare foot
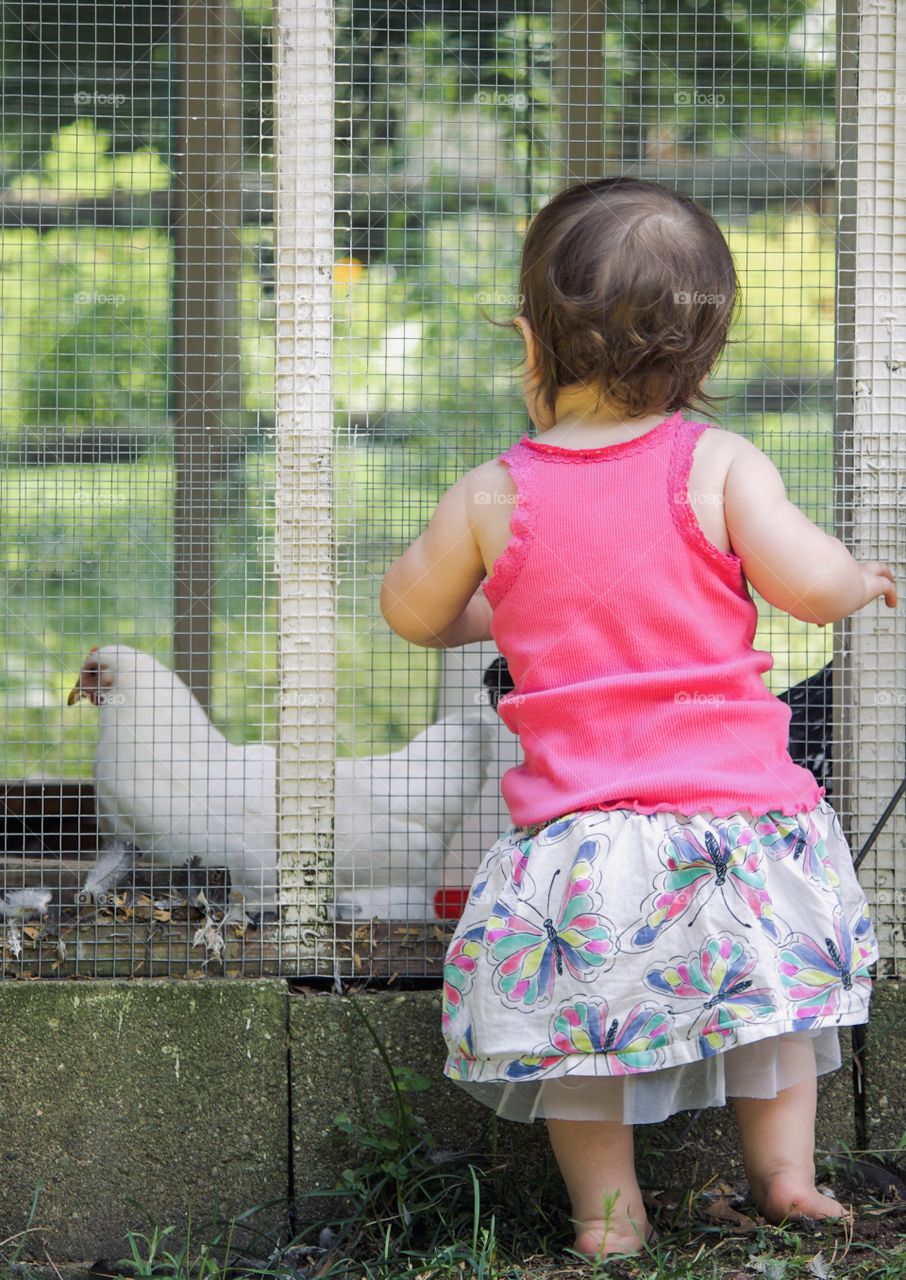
x: 778, y: 1147
x: 787, y: 1197
x: 596, y: 1160
x: 599, y: 1239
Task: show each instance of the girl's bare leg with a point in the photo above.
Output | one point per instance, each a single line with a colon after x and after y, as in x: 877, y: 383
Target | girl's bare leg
x: 778, y: 1150
x: 596, y: 1160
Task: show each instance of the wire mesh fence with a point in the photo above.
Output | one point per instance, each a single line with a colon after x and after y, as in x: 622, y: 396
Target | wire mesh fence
x: 258, y: 269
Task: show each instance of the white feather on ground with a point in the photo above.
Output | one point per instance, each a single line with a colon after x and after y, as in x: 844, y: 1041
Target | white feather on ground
x: 168, y: 783
x: 22, y: 904
x: 112, y: 865
x: 17, y: 905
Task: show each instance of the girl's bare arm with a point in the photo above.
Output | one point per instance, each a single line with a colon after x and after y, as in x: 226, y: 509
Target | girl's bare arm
x: 430, y: 595
x: 789, y: 561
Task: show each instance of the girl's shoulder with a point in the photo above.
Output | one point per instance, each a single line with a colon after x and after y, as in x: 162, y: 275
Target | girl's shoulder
x: 714, y: 451
x: 718, y: 440
x: 487, y: 479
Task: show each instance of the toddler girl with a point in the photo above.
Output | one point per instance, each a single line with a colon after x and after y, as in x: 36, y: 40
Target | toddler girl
x: 673, y: 917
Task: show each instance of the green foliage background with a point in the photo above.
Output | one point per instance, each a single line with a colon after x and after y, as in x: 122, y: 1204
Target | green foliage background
x: 426, y: 385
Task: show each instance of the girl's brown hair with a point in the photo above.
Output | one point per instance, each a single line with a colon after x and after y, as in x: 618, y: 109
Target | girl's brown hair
x: 629, y: 287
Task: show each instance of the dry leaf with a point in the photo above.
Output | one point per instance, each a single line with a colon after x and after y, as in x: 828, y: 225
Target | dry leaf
x: 720, y: 1210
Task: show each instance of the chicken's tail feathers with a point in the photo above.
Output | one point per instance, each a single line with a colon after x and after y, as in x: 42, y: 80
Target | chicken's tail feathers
x: 473, y: 728
x: 448, y: 772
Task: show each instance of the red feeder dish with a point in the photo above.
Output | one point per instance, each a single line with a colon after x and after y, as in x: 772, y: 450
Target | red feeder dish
x: 450, y: 902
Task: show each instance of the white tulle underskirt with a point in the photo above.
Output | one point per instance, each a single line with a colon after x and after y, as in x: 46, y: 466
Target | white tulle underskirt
x: 757, y: 1070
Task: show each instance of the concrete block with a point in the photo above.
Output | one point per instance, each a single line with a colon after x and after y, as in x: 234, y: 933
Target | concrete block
x: 836, y: 1125
x: 174, y: 1095
x: 169, y: 1093
x: 885, y: 1080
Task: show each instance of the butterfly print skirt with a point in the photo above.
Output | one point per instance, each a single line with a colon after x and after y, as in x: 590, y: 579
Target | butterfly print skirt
x: 618, y: 965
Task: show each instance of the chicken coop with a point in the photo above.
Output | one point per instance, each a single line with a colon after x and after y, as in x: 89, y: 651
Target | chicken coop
x: 258, y: 262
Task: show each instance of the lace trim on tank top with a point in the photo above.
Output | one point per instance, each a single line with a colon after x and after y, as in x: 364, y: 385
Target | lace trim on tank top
x: 684, y: 516
x: 505, y: 568
x: 604, y: 452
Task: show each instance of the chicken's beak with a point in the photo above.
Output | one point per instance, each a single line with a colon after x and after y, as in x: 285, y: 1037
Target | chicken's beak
x: 88, y: 683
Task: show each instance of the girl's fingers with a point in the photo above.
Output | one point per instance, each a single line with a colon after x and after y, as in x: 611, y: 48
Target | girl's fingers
x: 884, y: 583
x: 885, y: 586
x: 880, y: 568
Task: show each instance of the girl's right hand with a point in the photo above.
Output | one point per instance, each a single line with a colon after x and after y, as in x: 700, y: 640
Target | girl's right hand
x: 877, y: 578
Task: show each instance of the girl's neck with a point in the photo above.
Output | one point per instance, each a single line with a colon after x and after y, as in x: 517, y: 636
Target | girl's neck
x: 583, y: 422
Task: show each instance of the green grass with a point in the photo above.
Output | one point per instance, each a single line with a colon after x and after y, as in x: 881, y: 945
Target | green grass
x: 86, y: 559
x: 408, y: 1212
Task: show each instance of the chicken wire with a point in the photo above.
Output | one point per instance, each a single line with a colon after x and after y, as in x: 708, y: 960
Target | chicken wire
x: 251, y: 261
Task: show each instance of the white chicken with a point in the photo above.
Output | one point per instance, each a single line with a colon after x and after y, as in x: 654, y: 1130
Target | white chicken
x: 168, y: 783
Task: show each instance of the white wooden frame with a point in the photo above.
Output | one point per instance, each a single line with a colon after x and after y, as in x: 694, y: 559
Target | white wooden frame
x: 304, y: 560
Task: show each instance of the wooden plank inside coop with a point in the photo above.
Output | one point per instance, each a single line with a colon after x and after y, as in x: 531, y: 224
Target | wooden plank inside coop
x: 146, y: 942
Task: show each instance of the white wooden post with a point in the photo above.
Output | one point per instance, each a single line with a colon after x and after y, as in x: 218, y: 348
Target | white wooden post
x: 304, y: 142
x: 872, y: 454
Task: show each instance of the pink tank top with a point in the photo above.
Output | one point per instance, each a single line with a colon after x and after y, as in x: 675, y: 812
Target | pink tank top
x: 628, y: 635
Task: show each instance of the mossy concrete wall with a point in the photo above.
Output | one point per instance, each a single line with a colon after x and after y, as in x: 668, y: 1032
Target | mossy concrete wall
x: 168, y: 1093
x: 212, y: 1095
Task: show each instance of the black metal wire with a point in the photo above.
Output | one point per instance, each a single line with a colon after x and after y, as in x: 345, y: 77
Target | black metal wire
x: 880, y: 824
